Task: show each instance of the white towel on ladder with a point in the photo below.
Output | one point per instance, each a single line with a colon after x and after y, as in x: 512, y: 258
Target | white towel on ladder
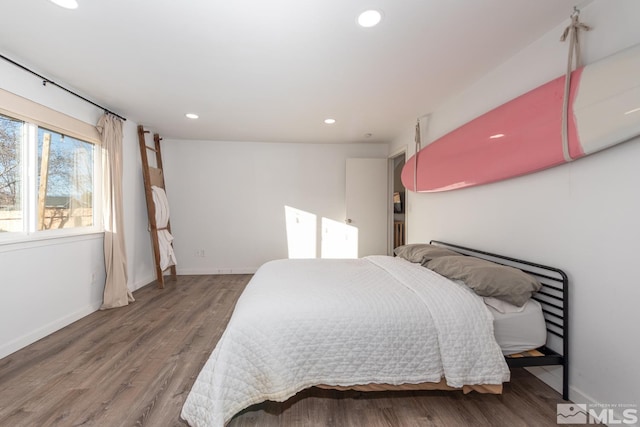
x: 165, y: 239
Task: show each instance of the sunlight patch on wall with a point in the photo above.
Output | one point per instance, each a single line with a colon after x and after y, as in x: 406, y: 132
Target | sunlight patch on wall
x: 339, y: 240
x: 301, y: 233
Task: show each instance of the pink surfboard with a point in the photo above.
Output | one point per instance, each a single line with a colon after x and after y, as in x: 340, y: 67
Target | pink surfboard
x: 524, y: 135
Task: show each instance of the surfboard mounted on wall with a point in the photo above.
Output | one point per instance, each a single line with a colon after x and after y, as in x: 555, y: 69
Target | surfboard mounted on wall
x: 525, y: 134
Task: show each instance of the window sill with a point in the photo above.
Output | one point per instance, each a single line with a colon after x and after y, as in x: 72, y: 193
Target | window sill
x: 39, y: 240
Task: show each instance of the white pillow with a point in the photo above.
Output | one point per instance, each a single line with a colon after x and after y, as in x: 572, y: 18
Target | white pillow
x: 503, y: 306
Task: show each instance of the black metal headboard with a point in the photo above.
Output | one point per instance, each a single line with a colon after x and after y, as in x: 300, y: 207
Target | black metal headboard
x: 554, y: 299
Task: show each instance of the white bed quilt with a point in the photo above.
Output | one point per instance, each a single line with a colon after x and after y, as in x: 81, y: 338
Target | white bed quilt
x: 378, y: 319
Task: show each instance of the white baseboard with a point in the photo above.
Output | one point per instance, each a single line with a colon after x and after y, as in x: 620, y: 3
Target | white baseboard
x: 215, y: 270
x: 51, y: 327
x: 141, y: 283
x: 552, y: 376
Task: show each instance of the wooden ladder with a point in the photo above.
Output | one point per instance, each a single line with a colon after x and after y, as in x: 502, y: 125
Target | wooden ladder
x: 153, y: 176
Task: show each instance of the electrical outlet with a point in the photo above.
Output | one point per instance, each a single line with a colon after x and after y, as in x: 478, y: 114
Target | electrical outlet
x: 200, y: 253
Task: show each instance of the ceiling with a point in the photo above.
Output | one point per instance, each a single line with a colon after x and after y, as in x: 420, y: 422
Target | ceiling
x: 257, y: 70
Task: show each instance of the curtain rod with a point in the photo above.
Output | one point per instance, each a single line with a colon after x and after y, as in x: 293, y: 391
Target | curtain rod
x: 46, y: 80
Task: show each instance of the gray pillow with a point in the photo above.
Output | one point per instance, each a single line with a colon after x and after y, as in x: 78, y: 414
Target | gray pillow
x: 422, y: 252
x: 487, y: 278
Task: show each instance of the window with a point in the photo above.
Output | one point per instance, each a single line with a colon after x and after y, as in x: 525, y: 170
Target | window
x: 47, y: 182
x: 65, y: 182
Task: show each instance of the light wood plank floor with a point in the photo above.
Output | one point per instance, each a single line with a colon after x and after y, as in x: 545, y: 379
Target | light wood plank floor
x: 135, y: 365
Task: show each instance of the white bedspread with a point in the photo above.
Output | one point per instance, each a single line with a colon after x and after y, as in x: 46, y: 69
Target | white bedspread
x: 378, y: 319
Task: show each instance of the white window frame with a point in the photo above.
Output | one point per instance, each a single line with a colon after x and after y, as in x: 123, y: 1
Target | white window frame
x: 35, y: 115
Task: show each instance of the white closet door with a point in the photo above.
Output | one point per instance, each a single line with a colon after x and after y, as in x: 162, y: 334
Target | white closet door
x: 367, y: 204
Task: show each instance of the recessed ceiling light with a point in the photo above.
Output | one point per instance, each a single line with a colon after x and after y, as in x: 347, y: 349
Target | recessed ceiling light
x: 67, y: 4
x: 329, y: 121
x: 369, y: 18
x: 191, y: 116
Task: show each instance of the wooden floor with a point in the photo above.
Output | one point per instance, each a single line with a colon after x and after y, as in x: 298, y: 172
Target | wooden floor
x: 135, y: 365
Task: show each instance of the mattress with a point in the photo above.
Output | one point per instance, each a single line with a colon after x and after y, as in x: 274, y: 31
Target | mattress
x: 519, y: 331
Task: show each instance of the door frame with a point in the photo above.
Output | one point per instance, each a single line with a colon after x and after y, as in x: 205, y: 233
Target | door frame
x: 402, y: 151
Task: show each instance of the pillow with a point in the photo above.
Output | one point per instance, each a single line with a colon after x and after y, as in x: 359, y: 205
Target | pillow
x: 503, y: 306
x: 422, y: 252
x: 487, y: 278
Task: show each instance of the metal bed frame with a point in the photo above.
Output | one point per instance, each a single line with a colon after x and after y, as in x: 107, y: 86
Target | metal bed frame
x: 554, y: 299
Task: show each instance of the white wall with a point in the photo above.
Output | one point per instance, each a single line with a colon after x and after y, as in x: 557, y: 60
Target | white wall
x: 47, y: 285
x: 582, y: 217
x: 228, y: 198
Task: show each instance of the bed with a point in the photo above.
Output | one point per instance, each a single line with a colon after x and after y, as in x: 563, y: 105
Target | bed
x: 375, y: 323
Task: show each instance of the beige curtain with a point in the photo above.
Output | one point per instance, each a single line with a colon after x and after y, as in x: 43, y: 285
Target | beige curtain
x: 116, y: 292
